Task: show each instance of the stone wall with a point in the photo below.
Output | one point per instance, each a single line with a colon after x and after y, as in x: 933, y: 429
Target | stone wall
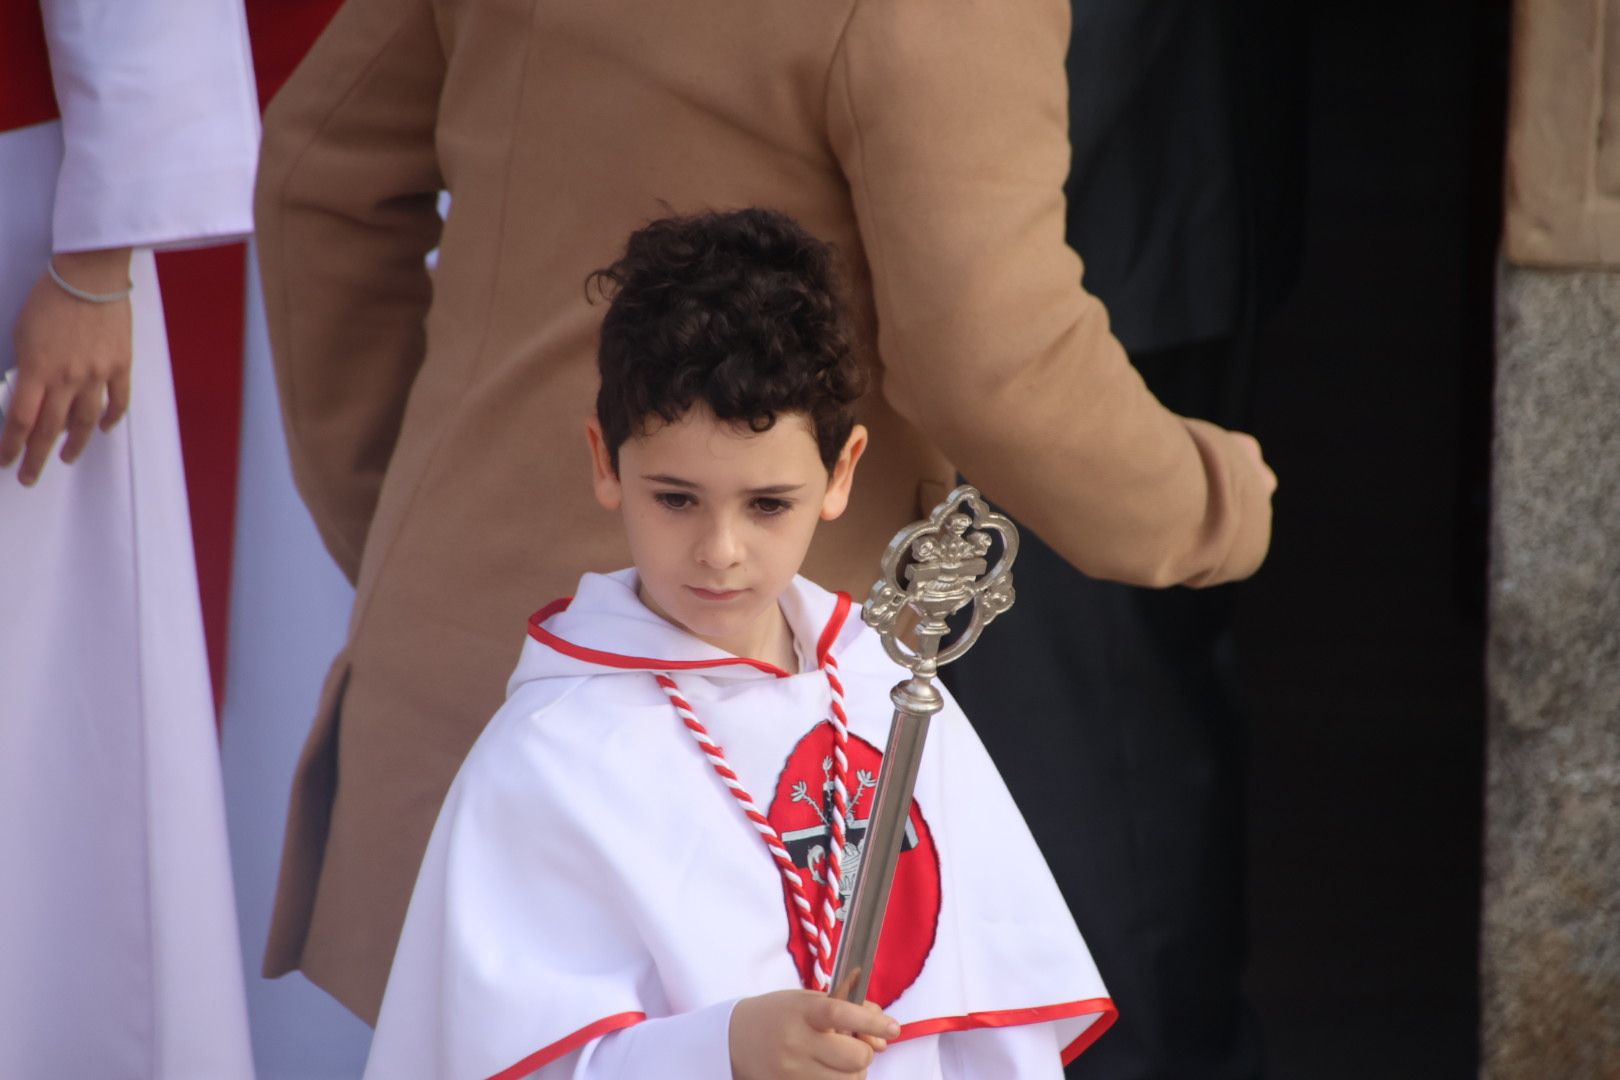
x: 1550, y: 954
x: 1550, y: 929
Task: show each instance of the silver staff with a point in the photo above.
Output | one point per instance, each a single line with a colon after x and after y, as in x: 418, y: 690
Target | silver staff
x: 933, y: 568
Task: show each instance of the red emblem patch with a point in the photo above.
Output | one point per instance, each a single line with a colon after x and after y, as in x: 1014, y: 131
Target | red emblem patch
x: 801, y: 808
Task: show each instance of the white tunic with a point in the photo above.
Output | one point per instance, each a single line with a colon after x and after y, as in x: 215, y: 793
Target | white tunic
x: 593, y: 901
x: 117, y: 927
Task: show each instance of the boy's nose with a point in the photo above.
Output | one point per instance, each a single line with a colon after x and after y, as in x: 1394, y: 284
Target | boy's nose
x: 719, y: 548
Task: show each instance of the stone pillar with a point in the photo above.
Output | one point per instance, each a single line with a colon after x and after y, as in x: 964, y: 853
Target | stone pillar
x: 1550, y: 948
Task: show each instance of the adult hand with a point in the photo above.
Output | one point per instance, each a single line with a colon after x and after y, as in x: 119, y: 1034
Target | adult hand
x: 73, y: 361
x: 805, y: 1035
x: 1251, y: 450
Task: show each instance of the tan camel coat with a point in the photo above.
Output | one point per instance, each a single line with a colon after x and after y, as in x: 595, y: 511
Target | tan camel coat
x: 436, y: 424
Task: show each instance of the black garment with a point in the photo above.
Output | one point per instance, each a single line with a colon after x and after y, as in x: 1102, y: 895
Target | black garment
x: 1186, y: 184
x: 1110, y: 710
x: 1153, y: 190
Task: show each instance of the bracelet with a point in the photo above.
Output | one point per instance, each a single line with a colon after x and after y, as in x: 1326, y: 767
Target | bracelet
x: 91, y: 297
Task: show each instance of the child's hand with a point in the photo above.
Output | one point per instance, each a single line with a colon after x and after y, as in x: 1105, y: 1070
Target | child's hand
x: 804, y: 1035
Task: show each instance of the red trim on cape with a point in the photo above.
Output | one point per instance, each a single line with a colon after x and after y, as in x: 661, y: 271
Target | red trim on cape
x: 917, y: 1029
x: 547, y: 1054
x: 1040, y: 1014
x: 1098, y: 1027
x: 824, y: 645
x: 830, y: 633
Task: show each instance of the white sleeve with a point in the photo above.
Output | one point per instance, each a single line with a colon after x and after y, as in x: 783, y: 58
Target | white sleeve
x: 1027, y: 1051
x: 691, y: 1046
x: 160, y: 122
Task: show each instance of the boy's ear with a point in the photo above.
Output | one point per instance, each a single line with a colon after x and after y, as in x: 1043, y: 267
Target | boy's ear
x: 604, y: 477
x: 836, y: 501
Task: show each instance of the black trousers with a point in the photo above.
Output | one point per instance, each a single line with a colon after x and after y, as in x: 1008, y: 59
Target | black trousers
x: 1111, y: 713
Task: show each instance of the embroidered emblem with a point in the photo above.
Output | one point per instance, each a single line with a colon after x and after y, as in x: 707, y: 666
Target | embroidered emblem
x: 801, y: 811
x: 809, y: 846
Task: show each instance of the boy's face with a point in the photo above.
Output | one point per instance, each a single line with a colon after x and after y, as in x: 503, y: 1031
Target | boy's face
x: 719, y: 517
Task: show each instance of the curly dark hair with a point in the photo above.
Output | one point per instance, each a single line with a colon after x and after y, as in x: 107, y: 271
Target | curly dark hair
x: 740, y: 310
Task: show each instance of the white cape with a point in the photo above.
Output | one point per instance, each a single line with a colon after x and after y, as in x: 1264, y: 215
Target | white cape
x: 589, y: 874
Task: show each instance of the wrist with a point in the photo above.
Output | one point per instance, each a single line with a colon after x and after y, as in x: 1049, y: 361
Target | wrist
x: 104, y: 273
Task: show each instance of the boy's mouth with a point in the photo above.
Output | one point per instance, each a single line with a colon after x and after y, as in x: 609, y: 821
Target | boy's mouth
x: 715, y: 595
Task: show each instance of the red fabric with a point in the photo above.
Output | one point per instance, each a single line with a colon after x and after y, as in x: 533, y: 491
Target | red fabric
x: 547, y: 1054
x: 204, y: 292
x: 282, y: 32
x: 26, y: 94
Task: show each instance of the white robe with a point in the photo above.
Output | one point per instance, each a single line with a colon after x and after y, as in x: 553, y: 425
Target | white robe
x: 593, y: 901
x: 117, y: 929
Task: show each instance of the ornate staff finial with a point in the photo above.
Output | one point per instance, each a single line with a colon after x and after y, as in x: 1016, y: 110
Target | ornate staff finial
x: 937, y: 567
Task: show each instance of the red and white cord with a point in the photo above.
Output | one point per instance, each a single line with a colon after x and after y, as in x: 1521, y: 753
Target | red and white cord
x: 773, y: 842
x: 831, y: 893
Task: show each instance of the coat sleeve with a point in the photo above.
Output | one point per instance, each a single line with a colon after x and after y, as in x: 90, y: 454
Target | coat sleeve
x: 346, y: 209
x: 159, y: 122
x: 949, y: 118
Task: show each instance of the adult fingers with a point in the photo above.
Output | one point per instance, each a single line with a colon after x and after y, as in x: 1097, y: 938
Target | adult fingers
x: 21, y: 416
x: 82, y: 415
x: 52, y: 417
x: 1252, y: 450
x: 117, y: 399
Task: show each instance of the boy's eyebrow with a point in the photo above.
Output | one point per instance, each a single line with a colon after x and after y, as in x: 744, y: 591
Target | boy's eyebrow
x: 675, y: 481
x: 672, y: 481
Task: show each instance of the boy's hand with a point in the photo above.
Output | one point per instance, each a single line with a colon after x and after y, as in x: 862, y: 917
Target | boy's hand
x: 805, y: 1035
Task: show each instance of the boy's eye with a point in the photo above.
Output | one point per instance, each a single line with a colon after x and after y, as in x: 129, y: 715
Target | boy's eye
x: 672, y: 500
x: 771, y: 507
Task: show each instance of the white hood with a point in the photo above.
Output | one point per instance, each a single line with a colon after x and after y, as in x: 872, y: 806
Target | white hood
x: 611, y: 631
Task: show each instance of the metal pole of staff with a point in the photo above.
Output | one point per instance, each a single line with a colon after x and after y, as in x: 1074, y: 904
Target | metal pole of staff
x: 932, y: 569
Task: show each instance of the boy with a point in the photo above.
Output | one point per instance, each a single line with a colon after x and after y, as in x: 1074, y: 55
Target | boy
x: 603, y: 896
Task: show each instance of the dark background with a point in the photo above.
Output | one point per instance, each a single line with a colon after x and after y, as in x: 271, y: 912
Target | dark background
x: 1362, y: 639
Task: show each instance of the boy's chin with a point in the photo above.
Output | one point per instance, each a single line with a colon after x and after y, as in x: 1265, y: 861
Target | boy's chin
x: 716, y: 627
x: 712, y: 624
